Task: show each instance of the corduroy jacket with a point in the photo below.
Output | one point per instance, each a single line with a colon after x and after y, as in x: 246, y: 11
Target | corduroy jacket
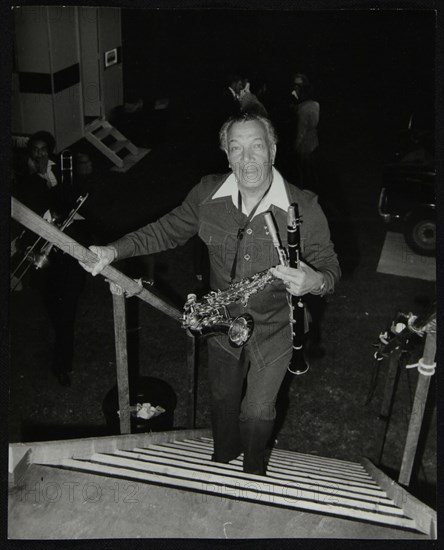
x: 217, y: 222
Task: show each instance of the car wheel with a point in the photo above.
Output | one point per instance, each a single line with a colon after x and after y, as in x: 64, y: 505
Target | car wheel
x: 420, y: 232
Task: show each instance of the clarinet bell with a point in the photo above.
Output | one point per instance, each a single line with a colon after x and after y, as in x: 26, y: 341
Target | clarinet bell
x: 298, y: 365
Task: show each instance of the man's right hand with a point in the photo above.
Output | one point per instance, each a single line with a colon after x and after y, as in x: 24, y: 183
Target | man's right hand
x: 41, y: 164
x: 105, y: 254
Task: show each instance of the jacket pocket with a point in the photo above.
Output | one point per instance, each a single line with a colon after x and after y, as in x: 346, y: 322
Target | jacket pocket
x: 221, y: 244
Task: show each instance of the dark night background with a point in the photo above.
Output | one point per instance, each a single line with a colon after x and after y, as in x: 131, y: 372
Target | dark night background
x: 370, y: 70
x: 350, y: 55
x: 372, y: 58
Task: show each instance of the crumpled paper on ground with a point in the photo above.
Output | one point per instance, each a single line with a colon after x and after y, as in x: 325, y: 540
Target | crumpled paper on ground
x: 146, y: 410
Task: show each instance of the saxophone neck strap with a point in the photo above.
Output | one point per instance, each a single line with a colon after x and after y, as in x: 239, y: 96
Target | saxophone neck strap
x: 241, y: 230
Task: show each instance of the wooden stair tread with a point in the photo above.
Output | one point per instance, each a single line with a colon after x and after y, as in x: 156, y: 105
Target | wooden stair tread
x: 322, y: 495
x: 293, y: 480
x: 100, y: 130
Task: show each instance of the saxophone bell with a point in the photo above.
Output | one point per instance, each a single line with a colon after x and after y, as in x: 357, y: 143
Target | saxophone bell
x: 211, y: 316
x: 240, y: 330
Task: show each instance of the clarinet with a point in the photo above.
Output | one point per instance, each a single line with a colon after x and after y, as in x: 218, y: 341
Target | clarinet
x: 298, y: 364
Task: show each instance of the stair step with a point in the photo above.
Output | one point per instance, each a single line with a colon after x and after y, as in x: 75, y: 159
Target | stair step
x: 94, y: 125
x: 301, y: 494
x: 293, y: 480
x: 363, y: 479
x: 250, y: 489
x: 285, y: 456
x: 98, y: 130
x: 103, y: 132
x: 130, y: 160
x: 298, y: 475
x: 118, y: 145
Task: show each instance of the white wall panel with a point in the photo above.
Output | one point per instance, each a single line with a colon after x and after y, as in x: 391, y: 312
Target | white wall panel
x: 63, y: 35
x: 37, y: 113
x: 31, y: 39
x: 68, y: 116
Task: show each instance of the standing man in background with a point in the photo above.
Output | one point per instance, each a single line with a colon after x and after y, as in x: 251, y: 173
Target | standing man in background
x: 60, y: 280
x: 229, y: 101
x: 305, y: 141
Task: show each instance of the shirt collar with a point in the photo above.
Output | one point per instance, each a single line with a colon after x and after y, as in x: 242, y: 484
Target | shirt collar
x: 33, y: 168
x: 277, y: 195
x: 48, y: 175
x: 235, y: 95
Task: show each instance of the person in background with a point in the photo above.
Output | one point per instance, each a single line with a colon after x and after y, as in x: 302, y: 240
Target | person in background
x: 61, y: 280
x: 229, y: 101
x: 305, y: 141
x: 227, y: 212
x: 249, y: 102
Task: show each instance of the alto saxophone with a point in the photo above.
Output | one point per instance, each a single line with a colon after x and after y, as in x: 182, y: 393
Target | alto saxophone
x: 211, y: 314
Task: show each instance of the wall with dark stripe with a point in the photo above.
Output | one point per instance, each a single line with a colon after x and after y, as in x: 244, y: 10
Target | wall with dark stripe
x: 41, y: 83
x: 53, y: 79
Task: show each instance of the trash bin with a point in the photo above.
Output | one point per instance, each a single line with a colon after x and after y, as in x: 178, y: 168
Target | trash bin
x: 145, y: 389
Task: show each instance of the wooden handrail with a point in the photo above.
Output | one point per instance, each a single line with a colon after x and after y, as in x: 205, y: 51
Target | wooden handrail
x: 49, y: 232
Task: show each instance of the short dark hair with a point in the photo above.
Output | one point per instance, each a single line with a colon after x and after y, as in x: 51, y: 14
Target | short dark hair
x: 306, y: 87
x: 232, y: 78
x: 245, y: 117
x: 42, y: 135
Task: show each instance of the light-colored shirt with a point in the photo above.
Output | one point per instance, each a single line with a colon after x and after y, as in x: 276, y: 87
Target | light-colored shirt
x: 235, y: 95
x: 49, y: 176
x: 277, y: 195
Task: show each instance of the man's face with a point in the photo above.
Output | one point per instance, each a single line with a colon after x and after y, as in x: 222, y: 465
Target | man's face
x: 39, y: 151
x: 84, y: 165
x: 297, y: 85
x: 250, y: 156
x: 237, y: 86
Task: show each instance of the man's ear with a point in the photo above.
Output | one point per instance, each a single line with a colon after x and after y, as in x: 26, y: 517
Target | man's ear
x: 273, y: 153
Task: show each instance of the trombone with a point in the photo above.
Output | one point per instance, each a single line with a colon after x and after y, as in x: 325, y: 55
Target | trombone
x: 40, y: 259
x: 66, y: 166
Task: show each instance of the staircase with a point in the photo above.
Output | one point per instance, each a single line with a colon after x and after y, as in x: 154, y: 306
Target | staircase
x: 114, y: 145
x: 301, y: 495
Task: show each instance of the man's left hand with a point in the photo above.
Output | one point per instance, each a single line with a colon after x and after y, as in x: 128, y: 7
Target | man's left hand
x: 299, y: 281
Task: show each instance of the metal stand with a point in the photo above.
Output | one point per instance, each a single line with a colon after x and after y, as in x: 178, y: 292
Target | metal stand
x: 119, y: 310
x: 120, y: 334
x: 426, y: 368
x: 191, y: 370
x: 387, y: 402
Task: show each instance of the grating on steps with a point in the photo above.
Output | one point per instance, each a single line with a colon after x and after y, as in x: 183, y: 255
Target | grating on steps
x: 294, y: 480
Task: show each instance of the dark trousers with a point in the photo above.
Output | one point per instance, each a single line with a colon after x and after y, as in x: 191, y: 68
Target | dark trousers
x: 242, y: 421
x: 307, y: 171
x: 62, y: 286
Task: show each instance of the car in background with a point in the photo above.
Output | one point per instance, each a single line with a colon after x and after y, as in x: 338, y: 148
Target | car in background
x: 408, y: 195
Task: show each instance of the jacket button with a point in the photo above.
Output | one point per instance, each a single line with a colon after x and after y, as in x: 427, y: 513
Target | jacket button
x: 249, y: 231
x: 247, y: 257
